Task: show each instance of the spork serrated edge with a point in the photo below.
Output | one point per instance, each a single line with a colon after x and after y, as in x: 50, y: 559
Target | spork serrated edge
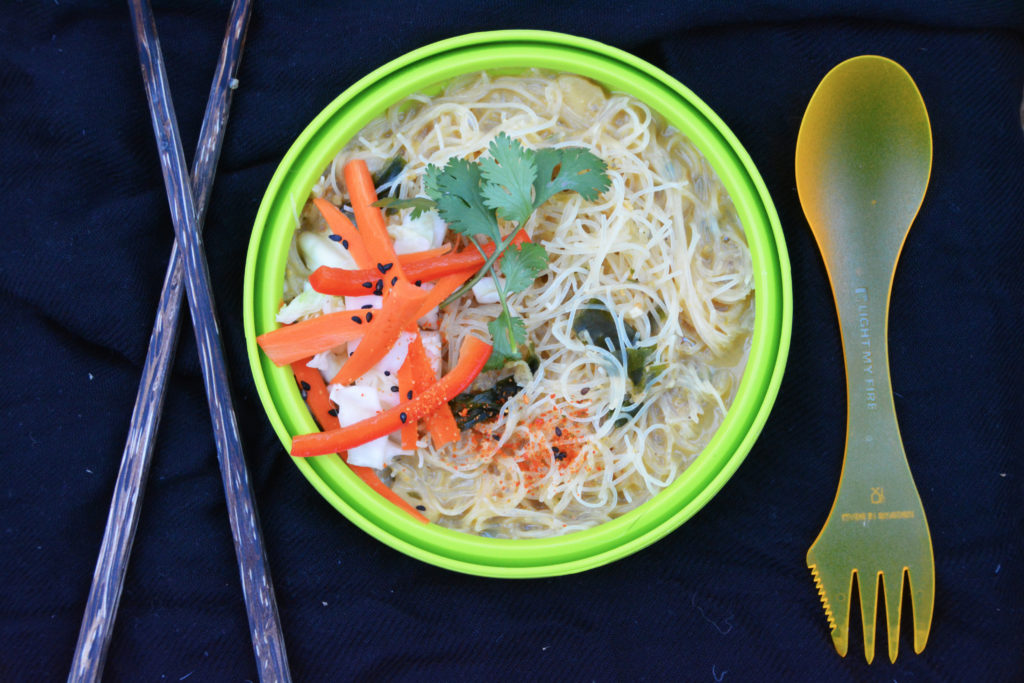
x: 824, y: 599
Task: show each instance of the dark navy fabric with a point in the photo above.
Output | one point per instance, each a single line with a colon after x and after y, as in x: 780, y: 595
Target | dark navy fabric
x: 86, y: 233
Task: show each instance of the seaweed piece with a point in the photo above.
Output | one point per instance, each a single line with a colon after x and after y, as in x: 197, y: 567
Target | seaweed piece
x: 387, y: 174
x: 636, y: 364
x: 471, y: 409
x: 598, y: 324
x: 628, y: 410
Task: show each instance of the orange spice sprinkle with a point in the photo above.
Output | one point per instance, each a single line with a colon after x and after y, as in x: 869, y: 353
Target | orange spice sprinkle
x: 553, y: 440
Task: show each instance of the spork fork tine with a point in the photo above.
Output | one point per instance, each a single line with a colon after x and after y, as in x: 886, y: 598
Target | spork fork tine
x: 863, y: 159
x: 834, y: 580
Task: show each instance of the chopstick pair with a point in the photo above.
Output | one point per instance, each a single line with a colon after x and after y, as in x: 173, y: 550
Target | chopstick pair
x: 187, y: 268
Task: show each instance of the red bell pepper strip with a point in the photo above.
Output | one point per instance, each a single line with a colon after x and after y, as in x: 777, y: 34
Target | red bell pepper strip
x: 344, y: 282
x: 472, y: 357
x: 319, y: 403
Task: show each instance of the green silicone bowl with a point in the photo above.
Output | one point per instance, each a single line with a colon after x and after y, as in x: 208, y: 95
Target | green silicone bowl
x: 426, y: 69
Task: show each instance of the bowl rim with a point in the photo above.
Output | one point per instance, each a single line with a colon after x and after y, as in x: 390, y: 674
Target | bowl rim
x: 520, y: 49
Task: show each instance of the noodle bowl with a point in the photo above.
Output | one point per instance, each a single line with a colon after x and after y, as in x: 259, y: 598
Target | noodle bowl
x: 661, y: 255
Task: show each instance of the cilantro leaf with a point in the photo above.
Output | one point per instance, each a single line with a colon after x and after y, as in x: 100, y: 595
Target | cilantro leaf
x: 569, y: 168
x: 456, y: 191
x: 495, y: 361
x: 510, y: 184
x: 417, y: 204
x: 522, y: 265
x: 507, y: 332
x: 509, y: 173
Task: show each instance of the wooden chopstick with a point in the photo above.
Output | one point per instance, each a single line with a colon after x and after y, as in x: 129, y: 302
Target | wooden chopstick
x: 122, y: 520
x: 257, y: 589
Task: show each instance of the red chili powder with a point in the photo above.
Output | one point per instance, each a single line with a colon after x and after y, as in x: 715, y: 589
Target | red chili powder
x: 552, y: 440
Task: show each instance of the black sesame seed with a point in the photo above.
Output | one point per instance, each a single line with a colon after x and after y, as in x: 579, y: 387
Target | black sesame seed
x: 421, y: 508
x: 387, y: 373
x: 365, y: 306
x: 496, y: 437
x: 384, y: 267
x: 394, y: 280
x: 419, y: 282
x: 584, y: 391
x: 408, y: 394
x: 558, y: 431
x: 336, y: 238
x: 368, y: 285
x: 305, y: 385
x: 344, y: 243
x: 394, y: 389
x: 333, y: 412
x: 403, y: 417
x: 356, y: 319
x: 369, y: 317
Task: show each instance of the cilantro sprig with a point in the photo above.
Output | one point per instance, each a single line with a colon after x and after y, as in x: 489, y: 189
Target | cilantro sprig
x: 475, y: 197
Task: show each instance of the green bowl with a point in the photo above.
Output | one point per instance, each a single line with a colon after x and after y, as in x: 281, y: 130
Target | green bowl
x: 424, y: 69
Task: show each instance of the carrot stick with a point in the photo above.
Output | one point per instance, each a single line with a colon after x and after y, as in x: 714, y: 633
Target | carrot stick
x: 472, y: 357
x: 308, y: 337
x: 425, y: 255
x: 398, y: 311
x: 441, y: 423
x: 442, y: 290
x: 407, y: 388
x: 370, y: 219
x: 341, y: 226
x: 319, y: 403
